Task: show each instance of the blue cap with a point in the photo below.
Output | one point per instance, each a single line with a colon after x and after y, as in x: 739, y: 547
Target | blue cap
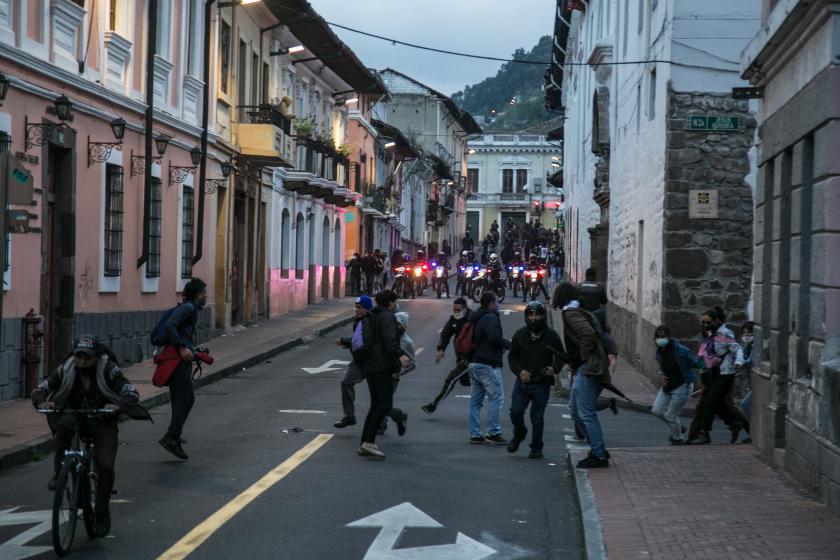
x: 365, y: 302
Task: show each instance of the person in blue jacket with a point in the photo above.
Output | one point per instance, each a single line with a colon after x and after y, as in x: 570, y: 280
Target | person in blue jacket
x: 677, y: 364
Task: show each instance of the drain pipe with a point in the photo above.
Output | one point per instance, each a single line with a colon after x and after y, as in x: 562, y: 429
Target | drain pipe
x: 151, y: 40
x: 205, y: 111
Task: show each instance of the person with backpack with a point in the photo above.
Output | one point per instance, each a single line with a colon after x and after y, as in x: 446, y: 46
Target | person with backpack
x: 353, y: 376
x: 178, y: 327
x: 585, y: 353
x: 399, y: 417
x: 90, y: 378
x: 592, y: 295
x: 385, y: 358
x: 532, y: 357
x: 677, y: 364
x: 485, y: 369
x: 459, y: 374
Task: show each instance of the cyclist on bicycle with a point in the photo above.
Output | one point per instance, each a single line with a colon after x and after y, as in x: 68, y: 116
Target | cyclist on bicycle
x: 89, y: 378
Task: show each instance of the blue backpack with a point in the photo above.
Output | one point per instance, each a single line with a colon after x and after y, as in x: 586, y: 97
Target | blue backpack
x: 158, y: 334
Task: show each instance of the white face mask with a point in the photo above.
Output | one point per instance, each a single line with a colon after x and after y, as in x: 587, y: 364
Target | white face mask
x: 459, y: 315
x: 662, y: 342
x: 747, y: 338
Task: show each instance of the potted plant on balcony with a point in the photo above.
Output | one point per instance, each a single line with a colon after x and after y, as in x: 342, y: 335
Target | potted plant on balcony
x: 344, y: 150
x: 304, y: 127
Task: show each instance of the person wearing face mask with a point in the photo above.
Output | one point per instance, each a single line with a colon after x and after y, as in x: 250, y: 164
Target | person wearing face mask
x: 532, y: 358
x: 718, y: 351
x: 459, y: 373
x: 90, y: 379
x: 486, y: 370
x: 742, y: 391
x: 676, y: 363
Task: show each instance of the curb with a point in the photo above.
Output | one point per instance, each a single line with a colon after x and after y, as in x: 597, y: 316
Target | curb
x: 43, y: 445
x: 593, y: 531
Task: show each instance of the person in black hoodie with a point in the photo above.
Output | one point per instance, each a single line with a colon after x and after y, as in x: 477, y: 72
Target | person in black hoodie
x: 454, y: 324
x: 384, y: 359
x: 486, y: 370
x: 532, y: 359
x: 353, y: 376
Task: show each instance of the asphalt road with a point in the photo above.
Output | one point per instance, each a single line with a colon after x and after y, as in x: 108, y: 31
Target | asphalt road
x: 496, y: 505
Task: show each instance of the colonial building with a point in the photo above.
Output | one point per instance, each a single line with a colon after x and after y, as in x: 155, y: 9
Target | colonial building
x: 432, y: 122
x: 796, y: 291
x: 656, y: 168
x: 513, y: 176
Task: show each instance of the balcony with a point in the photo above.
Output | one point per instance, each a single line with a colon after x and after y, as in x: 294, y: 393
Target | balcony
x: 487, y: 140
x: 375, y: 200
x: 448, y: 204
x: 264, y: 135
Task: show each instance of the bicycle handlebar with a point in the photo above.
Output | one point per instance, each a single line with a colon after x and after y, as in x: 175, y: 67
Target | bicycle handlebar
x: 76, y: 410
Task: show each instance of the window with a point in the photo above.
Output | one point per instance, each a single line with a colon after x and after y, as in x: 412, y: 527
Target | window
x: 265, y: 84
x: 626, y: 19
x: 194, y: 36
x: 163, y: 32
x: 6, y: 146
x: 242, y: 75
x: 224, y: 40
x: 521, y: 180
x: 155, y: 218
x: 641, y: 26
x: 113, y: 219
x: 472, y: 180
x: 255, y: 80
x: 652, y: 95
x: 286, y: 243
x: 507, y: 180
x: 187, y: 204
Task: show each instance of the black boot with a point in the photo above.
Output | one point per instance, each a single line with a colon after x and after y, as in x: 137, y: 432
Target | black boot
x: 346, y: 421
x: 173, y: 445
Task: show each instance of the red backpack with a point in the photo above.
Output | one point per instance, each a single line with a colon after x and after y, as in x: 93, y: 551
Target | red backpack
x: 464, y: 343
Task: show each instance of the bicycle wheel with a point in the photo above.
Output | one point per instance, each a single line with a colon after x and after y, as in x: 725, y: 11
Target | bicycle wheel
x: 88, y: 498
x: 65, y: 507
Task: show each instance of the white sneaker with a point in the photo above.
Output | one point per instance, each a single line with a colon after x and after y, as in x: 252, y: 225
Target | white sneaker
x: 372, y: 450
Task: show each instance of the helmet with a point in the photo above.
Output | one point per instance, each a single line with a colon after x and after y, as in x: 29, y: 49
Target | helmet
x: 541, y: 322
x: 441, y: 254
x: 465, y: 254
x: 532, y: 257
x: 421, y: 254
x: 494, y: 257
x: 517, y: 255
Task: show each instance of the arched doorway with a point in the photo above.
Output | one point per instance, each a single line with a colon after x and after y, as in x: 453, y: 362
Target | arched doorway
x: 285, y: 243
x: 338, y: 260
x: 325, y: 258
x: 300, y: 263
x: 312, y: 263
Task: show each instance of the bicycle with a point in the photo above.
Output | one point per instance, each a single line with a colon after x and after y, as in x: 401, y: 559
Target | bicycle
x: 76, y: 485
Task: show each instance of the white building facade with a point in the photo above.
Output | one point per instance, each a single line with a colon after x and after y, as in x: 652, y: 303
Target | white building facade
x: 636, y: 165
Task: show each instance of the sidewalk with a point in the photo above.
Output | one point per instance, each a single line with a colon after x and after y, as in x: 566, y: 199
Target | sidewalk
x: 692, y: 502
x: 24, y: 433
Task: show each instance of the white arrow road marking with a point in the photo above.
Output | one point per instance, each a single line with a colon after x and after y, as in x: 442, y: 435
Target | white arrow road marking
x: 506, y: 312
x: 419, y: 350
x: 14, y: 548
x: 393, y: 522
x: 329, y: 366
x: 303, y: 411
x: 569, y: 416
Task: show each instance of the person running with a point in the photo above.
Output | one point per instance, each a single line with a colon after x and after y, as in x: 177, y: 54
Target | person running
x: 458, y: 374
x: 89, y: 378
x: 353, y: 376
x: 408, y: 349
x: 532, y: 357
x: 180, y: 333
x: 485, y: 369
x: 601, y: 403
x: 385, y: 358
x: 584, y: 352
x: 677, y: 364
x: 719, y: 351
x: 743, y: 361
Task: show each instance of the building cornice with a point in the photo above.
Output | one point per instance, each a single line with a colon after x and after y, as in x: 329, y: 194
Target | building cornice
x: 48, y: 70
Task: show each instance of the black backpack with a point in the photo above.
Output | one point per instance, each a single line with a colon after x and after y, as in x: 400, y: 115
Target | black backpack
x: 158, y: 334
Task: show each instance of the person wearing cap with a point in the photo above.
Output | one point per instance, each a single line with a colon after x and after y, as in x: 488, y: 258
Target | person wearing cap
x: 89, y: 378
x: 353, y: 376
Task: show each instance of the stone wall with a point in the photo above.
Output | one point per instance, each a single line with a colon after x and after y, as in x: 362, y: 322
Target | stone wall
x: 707, y: 262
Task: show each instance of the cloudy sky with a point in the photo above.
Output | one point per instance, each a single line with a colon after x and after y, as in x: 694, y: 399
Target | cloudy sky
x: 486, y: 27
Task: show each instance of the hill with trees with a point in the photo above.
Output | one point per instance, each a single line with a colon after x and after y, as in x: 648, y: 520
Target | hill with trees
x: 513, y: 99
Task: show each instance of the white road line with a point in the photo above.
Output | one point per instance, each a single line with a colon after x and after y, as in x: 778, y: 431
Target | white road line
x: 298, y: 411
x: 462, y: 396
x: 569, y: 416
x: 561, y: 405
x: 419, y: 350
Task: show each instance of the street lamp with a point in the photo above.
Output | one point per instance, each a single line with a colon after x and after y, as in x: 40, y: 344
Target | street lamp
x: 195, y: 155
x: 38, y: 134
x: 63, y: 107
x: 161, y: 142
x: 178, y: 173
x: 138, y: 163
x: 99, y: 152
x: 227, y: 168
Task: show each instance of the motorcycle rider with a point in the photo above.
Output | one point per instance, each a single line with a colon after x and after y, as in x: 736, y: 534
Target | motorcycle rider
x: 516, y: 261
x: 443, y: 261
x: 421, y: 262
x: 494, y: 265
x: 461, y: 282
x: 534, y: 264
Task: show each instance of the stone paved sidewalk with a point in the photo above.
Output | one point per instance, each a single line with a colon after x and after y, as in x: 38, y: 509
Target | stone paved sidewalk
x: 23, y: 432
x: 709, y: 502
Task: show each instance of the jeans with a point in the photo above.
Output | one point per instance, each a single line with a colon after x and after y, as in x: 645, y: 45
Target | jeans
x: 486, y: 381
x: 352, y: 377
x: 381, y: 389
x: 535, y: 394
x: 585, y: 391
x: 667, y: 407
x: 182, y: 398
x: 746, y: 405
x: 451, y: 381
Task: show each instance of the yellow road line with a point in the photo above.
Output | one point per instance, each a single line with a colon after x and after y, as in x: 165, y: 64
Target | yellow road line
x: 202, y: 532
